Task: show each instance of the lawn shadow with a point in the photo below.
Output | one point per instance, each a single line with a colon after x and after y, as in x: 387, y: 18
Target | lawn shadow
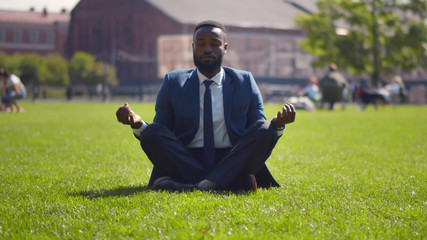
x: 122, y: 191
x: 233, y: 192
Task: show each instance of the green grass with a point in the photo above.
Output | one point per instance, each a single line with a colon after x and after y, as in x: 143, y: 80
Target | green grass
x: 70, y: 171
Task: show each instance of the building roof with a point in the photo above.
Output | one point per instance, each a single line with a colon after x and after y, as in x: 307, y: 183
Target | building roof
x: 33, y: 17
x: 276, y: 14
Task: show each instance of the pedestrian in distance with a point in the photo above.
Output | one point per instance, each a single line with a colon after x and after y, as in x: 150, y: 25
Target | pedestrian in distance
x: 209, y: 131
x: 332, y: 87
x: 11, y: 89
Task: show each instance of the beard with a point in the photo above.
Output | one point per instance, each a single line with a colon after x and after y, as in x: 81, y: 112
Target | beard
x: 207, y: 67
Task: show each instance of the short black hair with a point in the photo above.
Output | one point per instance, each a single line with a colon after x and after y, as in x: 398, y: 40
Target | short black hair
x: 209, y: 23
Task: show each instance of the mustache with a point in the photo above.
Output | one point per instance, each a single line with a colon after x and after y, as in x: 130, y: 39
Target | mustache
x: 208, y: 56
x: 207, y: 67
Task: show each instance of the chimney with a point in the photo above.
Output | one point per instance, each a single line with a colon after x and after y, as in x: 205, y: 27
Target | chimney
x: 44, y: 12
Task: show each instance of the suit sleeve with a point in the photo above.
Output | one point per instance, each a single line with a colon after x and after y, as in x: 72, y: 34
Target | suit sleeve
x: 256, y: 108
x: 164, y: 110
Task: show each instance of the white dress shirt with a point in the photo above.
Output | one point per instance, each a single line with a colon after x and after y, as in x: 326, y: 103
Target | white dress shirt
x: 221, y: 137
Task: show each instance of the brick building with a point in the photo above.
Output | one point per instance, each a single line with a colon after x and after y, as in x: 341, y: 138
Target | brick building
x: 146, y: 38
x: 31, y: 31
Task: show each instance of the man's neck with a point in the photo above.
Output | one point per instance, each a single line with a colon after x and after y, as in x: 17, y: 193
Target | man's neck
x: 217, y: 77
x: 210, y: 75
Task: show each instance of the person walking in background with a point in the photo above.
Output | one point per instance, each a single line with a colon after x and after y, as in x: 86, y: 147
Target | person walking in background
x: 332, y: 87
x: 209, y: 131
x: 11, y: 89
x: 311, y: 90
x: 403, y: 92
x: 354, y: 88
x: 397, y: 90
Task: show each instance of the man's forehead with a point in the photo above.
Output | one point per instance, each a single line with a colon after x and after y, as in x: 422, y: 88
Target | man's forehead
x: 208, y: 31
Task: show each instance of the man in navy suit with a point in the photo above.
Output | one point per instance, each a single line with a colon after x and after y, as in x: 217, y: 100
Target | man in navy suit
x: 209, y: 131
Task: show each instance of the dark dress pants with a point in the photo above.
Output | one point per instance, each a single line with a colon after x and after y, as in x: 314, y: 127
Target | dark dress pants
x: 171, y: 158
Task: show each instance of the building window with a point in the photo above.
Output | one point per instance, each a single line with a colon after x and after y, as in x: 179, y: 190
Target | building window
x: 34, y: 36
x: 17, y: 35
x: 2, y: 35
x: 50, y: 37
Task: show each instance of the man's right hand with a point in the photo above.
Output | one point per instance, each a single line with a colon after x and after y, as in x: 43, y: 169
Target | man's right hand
x: 126, y: 116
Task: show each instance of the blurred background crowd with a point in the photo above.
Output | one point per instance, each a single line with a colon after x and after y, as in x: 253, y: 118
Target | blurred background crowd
x: 315, y: 53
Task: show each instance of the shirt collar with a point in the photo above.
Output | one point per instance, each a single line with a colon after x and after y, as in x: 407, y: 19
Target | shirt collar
x: 217, y: 78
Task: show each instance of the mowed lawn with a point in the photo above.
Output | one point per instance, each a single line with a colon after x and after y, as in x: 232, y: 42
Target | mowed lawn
x: 71, y: 171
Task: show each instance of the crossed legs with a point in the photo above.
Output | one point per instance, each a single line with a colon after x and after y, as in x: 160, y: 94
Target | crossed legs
x: 171, y: 158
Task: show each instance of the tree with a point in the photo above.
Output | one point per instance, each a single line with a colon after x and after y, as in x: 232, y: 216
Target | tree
x: 84, y: 69
x: 29, y: 68
x: 111, y: 75
x: 367, y: 36
x: 53, y: 70
x: 105, y: 73
x: 80, y: 67
x: 35, y: 69
x: 11, y: 62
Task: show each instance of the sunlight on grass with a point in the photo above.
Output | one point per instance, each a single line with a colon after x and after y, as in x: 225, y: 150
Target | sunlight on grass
x: 70, y: 171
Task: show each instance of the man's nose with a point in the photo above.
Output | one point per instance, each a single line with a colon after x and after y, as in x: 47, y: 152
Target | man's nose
x: 207, y: 48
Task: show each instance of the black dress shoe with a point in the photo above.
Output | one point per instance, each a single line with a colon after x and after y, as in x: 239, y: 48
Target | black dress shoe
x: 245, y: 183
x: 250, y: 183
x: 206, y: 186
x: 169, y: 184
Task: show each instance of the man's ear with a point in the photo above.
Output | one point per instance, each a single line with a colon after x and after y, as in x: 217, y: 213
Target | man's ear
x: 225, y: 47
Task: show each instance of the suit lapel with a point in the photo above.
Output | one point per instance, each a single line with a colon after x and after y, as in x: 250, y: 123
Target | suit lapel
x: 227, y: 91
x: 193, y: 90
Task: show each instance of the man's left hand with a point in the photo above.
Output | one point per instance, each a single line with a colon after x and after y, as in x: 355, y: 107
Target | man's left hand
x: 286, y: 116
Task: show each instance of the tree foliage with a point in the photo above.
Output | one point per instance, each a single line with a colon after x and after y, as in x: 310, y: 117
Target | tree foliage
x: 367, y: 36
x: 29, y: 68
x: 84, y: 69
x: 80, y: 67
x: 54, y: 69
x: 35, y: 69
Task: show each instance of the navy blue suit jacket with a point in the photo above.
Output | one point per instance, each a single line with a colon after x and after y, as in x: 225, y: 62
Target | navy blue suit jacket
x: 178, y: 103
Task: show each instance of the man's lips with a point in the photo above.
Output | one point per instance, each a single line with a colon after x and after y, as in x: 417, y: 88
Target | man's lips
x: 207, y: 58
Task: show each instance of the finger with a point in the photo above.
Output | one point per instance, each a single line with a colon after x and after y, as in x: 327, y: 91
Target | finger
x: 285, y: 110
x: 125, y: 106
x: 119, y: 114
x: 123, y: 115
x: 129, y: 115
x: 132, y: 119
x: 292, y: 113
x: 292, y: 110
x: 292, y: 107
x: 288, y: 108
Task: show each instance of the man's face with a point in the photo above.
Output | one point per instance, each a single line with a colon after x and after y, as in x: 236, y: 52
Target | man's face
x: 209, y: 47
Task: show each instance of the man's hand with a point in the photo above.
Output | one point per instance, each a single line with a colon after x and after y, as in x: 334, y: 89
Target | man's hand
x: 287, y: 115
x: 126, y: 116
